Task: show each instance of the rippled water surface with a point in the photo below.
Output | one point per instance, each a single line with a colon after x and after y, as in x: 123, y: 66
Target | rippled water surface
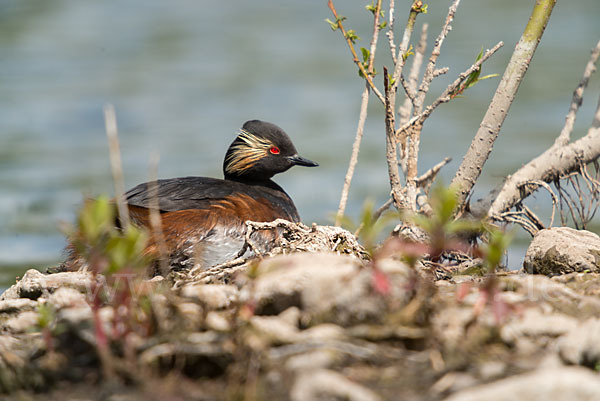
x: 185, y: 75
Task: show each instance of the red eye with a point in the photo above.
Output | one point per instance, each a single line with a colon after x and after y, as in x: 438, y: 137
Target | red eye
x: 274, y: 150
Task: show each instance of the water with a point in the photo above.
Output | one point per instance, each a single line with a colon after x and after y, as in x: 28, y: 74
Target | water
x: 185, y: 75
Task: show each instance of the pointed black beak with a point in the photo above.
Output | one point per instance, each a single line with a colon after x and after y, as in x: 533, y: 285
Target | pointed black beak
x: 301, y: 161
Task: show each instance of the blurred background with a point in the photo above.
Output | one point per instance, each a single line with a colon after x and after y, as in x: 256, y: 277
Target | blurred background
x: 185, y: 75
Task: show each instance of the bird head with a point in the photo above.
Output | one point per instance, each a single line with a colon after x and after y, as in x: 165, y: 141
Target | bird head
x: 260, y: 151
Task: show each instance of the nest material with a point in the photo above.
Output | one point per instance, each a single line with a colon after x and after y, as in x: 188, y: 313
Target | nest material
x: 292, y: 237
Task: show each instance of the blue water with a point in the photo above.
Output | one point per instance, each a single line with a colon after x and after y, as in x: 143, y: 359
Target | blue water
x: 185, y: 75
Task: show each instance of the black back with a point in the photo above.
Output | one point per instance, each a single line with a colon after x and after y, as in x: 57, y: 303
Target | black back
x: 200, y: 192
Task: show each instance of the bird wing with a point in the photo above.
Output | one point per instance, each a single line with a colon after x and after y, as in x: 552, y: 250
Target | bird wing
x: 184, y: 193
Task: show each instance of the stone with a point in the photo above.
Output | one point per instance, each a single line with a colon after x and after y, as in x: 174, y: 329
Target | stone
x: 17, y: 305
x: 35, y: 284
x: 192, y: 314
x: 324, y: 384
x: 66, y: 297
x: 323, y: 332
x: 317, y: 359
x: 21, y: 323
x: 581, y: 345
x: 561, y: 384
x: 274, y: 330
x: 213, y: 296
x: 536, y: 325
x: 325, y: 287
x: 217, y: 321
x: 543, y: 290
x: 562, y: 250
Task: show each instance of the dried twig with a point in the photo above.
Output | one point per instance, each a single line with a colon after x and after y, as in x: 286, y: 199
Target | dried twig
x: 110, y: 122
x: 481, y: 146
x: 565, y: 133
x: 400, y: 201
x: 364, y: 103
x: 429, y: 176
x: 414, y: 133
x: 435, y: 53
x: 446, y: 95
x: 408, y: 105
x: 550, y: 191
x: 390, y: 32
x: 355, y: 58
x: 390, y: 140
x: 405, y: 110
x: 557, y: 161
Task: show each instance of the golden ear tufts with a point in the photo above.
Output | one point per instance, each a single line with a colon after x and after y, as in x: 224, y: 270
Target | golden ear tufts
x: 249, y: 150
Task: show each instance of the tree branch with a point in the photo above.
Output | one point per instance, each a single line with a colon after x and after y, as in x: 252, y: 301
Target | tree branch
x: 555, y: 162
x: 364, y: 103
x: 488, y: 131
x: 355, y: 58
x: 565, y: 133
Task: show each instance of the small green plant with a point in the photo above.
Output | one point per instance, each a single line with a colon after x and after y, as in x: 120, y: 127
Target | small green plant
x: 372, y: 225
x: 472, y: 79
x: 116, y: 260
x: 46, y: 323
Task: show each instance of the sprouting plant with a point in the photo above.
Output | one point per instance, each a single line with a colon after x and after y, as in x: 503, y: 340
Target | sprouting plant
x: 372, y: 225
x: 115, y: 258
x: 472, y: 79
x: 46, y: 323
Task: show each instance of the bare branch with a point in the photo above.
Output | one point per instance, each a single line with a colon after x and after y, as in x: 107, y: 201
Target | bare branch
x: 410, y: 88
x: 430, y: 174
x: 435, y: 53
x: 361, y: 121
x: 110, y: 121
x: 565, y: 133
x: 390, y: 32
x: 553, y: 164
x: 488, y: 131
x: 405, y: 109
x: 356, y: 60
x: 549, y: 166
x: 390, y: 141
x: 446, y: 95
x: 550, y: 191
x: 354, y: 157
x: 390, y: 107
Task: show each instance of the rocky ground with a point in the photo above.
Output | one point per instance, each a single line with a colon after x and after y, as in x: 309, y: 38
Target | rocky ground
x: 312, y: 326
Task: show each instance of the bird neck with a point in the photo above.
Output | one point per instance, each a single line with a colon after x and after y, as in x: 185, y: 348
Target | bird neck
x: 265, y: 182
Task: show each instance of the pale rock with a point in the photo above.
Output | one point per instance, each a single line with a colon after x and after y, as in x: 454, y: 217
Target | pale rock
x: 192, y: 313
x: 76, y: 316
x: 562, y: 250
x: 317, y: 359
x: 274, y: 329
x: 17, y: 305
x: 324, y: 384
x: 323, y: 286
x: 581, y: 346
x: 217, y: 321
x: 21, y: 323
x: 66, y: 297
x: 35, y: 284
x: 536, y: 325
x: 562, y: 384
x: 545, y: 291
x: 291, y: 315
x: 323, y: 332
x: 213, y: 296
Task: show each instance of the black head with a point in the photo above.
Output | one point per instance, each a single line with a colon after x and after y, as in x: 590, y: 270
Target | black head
x: 260, y: 151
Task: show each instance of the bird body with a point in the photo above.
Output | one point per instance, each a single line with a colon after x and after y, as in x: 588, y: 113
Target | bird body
x: 203, y: 219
